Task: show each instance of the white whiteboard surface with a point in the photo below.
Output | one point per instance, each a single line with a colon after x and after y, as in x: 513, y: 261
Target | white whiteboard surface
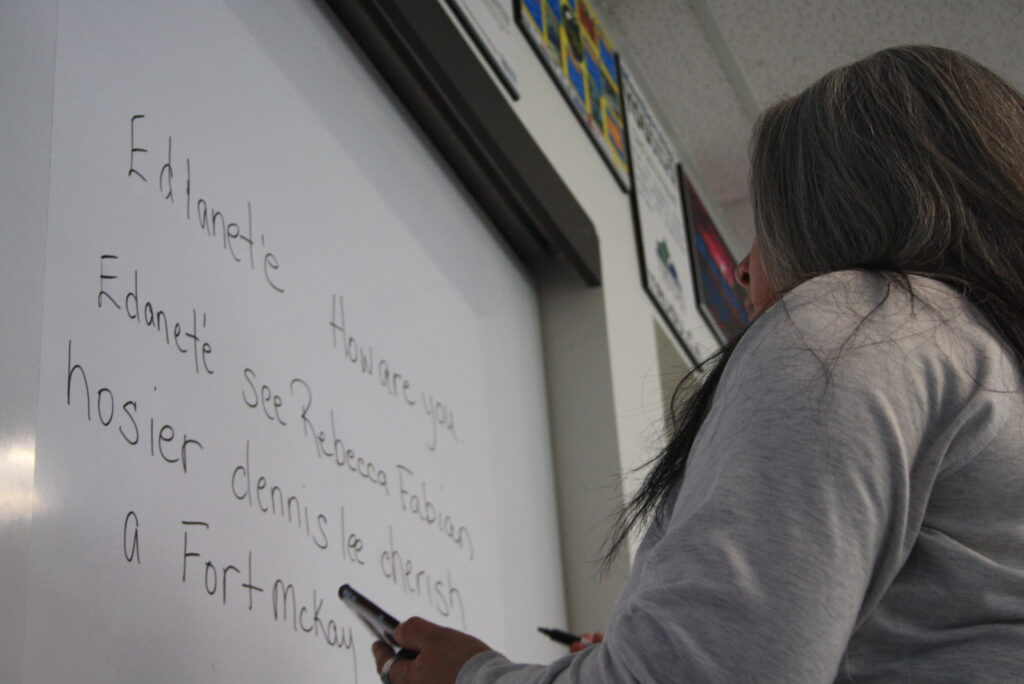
x: 361, y: 244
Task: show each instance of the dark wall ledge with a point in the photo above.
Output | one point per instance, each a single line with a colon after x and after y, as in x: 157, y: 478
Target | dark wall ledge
x: 435, y: 73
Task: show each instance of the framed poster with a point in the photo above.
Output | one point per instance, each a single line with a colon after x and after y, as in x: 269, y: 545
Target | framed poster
x: 569, y: 39
x: 659, y: 221
x: 719, y: 294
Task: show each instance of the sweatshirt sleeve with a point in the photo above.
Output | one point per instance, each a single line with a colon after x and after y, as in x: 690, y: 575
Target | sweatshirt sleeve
x: 804, y: 492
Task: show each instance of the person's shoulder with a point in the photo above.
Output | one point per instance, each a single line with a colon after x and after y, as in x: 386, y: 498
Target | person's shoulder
x: 872, y: 307
x: 832, y: 312
x: 857, y: 317
x: 847, y: 299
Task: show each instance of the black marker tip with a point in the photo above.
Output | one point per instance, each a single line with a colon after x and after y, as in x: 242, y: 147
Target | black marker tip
x: 559, y: 635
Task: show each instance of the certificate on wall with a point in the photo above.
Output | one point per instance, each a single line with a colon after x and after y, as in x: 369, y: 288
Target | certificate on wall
x: 659, y: 219
x: 569, y: 39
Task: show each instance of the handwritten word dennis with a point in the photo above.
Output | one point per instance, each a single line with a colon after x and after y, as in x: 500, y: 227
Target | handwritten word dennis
x: 148, y: 314
x: 238, y: 243
x: 163, y: 440
x: 271, y: 499
x: 395, y: 384
x: 441, y: 595
x: 420, y: 505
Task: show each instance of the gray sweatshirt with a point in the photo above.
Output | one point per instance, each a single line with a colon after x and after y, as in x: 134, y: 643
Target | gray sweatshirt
x: 852, y: 509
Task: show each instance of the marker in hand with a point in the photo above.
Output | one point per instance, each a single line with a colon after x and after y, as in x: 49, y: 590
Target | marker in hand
x: 563, y: 637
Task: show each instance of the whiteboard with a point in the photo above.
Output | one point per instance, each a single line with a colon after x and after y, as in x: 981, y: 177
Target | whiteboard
x: 281, y: 350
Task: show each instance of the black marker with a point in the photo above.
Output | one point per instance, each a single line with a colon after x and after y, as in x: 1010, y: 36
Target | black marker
x: 379, y: 622
x: 563, y: 637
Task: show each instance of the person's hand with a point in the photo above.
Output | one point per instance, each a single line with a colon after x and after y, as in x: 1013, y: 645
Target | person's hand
x: 587, y: 639
x: 443, y: 652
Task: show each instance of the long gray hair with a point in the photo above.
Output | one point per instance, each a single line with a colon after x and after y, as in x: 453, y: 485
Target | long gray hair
x: 910, y: 161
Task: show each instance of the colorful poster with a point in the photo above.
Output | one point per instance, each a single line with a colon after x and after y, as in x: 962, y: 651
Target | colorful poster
x: 659, y: 219
x: 714, y: 269
x: 571, y: 42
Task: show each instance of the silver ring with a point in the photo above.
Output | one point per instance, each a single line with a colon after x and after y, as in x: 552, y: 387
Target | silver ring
x: 384, y: 671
